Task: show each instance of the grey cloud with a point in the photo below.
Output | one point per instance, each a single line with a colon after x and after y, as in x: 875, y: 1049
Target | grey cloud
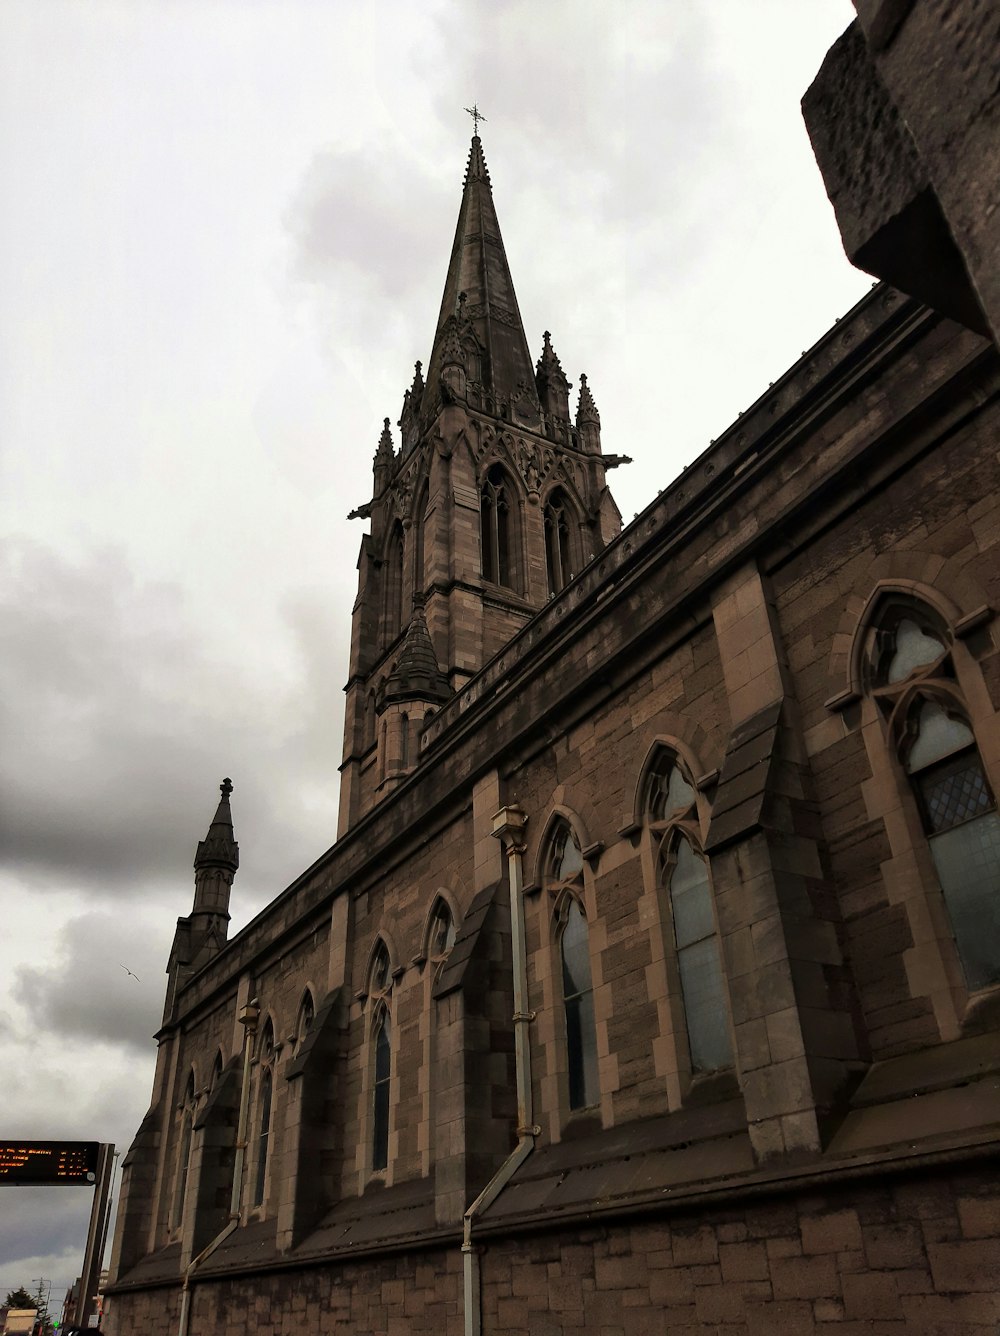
x: 37, y: 1222
x: 82, y: 989
x: 373, y: 219
x: 118, y: 728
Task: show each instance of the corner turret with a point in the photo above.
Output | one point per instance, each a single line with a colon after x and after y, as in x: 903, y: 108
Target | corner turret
x: 588, y: 421
x: 553, y: 392
x: 204, y: 931
x: 384, y: 457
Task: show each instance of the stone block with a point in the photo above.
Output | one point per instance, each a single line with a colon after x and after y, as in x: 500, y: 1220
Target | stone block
x: 834, y: 1231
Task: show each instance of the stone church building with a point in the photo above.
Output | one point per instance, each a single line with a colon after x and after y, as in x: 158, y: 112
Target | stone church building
x: 653, y: 982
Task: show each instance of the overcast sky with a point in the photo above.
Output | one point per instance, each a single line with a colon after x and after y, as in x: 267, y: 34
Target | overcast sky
x: 223, y: 242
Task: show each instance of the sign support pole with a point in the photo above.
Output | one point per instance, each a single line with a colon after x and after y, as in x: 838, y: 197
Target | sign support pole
x: 92, y: 1258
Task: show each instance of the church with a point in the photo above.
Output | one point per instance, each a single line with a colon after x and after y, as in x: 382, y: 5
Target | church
x: 653, y: 981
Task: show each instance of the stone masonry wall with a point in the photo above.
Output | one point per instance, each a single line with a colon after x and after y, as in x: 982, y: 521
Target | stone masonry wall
x: 398, y: 1295
x: 919, y: 1257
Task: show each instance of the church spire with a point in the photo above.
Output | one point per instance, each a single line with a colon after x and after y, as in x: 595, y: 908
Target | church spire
x: 479, y: 294
x: 218, y: 849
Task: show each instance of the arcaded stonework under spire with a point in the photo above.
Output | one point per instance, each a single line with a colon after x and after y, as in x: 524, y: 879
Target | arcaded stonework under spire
x: 494, y: 501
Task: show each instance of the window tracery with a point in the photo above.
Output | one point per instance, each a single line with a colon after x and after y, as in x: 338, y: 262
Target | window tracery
x: 379, y: 990
x: 559, y: 564
x: 689, y: 912
x: 265, y: 1090
x: 498, y: 529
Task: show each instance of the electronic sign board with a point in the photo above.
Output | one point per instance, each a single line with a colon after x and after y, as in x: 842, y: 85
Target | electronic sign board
x: 49, y: 1163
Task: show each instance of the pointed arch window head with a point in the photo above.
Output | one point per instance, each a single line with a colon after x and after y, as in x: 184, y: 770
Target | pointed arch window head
x: 669, y: 793
x: 307, y: 1014
x: 497, y: 529
x: 578, y: 1004
x: 963, y: 832
x: 382, y: 1044
x: 216, y: 1072
x: 441, y: 937
x: 906, y: 638
x: 684, y: 872
x: 265, y: 1048
x: 565, y: 859
x: 380, y: 974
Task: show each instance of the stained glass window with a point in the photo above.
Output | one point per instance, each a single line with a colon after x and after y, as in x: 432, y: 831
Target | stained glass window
x: 963, y: 831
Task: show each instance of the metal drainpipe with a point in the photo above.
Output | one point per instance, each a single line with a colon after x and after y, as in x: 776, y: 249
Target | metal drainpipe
x: 248, y: 1018
x: 508, y: 827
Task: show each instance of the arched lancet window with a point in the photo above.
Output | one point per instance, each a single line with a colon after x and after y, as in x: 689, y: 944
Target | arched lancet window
x: 498, y: 529
x: 381, y: 1078
x: 960, y: 819
x: 909, y: 669
x: 564, y: 876
x: 559, y: 563
x: 669, y: 801
x: 265, y: 1091
x: 184, y: 1151
x: 380, y: 1056
x: 578, y: 1004
x: 394, y: 582
x: 404, y: 741
x: 217, y: 1066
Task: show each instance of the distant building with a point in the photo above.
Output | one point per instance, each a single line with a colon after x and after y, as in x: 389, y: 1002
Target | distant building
x: 18, y: 1321
x: 653, y: 983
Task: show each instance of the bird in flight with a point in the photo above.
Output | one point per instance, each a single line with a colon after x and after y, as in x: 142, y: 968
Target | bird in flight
x: 129, y: 973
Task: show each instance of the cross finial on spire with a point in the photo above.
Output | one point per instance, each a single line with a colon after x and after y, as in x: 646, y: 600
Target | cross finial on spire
x: 477, y: 116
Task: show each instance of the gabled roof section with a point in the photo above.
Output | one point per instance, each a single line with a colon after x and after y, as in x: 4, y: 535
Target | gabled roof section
x: 489, y: 311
